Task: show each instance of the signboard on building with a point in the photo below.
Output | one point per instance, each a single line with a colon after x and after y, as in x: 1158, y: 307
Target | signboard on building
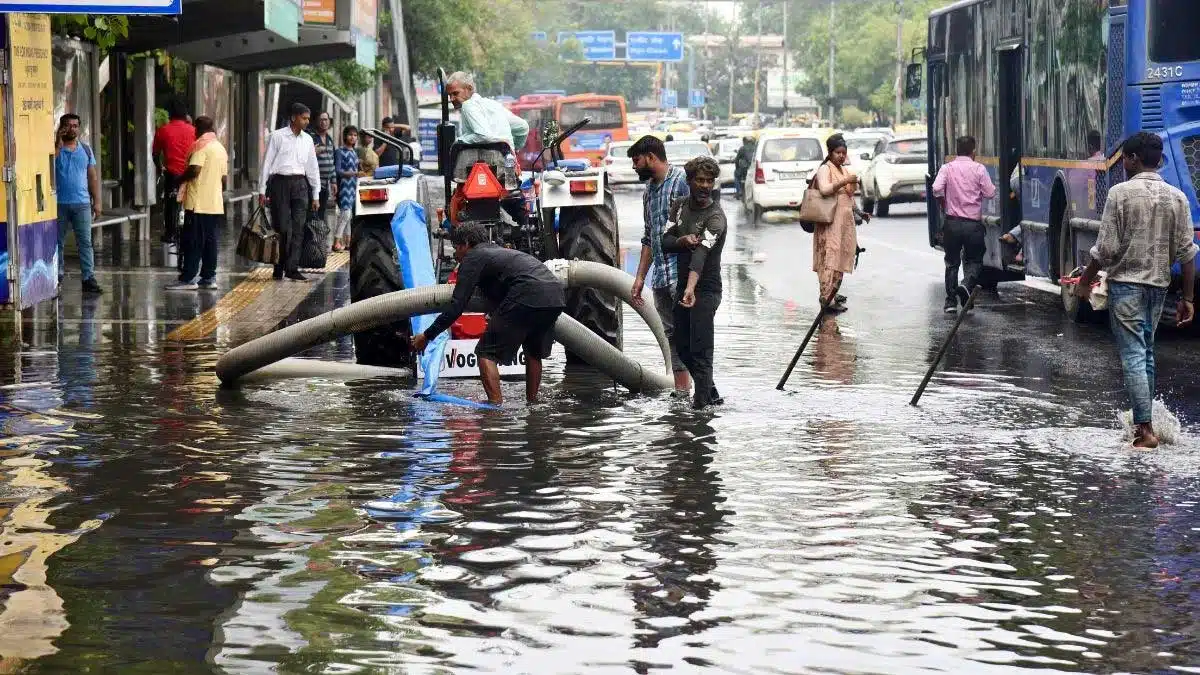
x: 363, y: 17
x: 30, y: 126
x: 320, y: 12
x: 94, y: 6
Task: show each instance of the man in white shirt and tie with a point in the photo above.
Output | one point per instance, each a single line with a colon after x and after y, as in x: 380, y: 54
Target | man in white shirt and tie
x: 290, y: 185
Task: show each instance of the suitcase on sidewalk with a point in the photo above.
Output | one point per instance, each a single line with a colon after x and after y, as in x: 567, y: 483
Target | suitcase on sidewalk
x: 316, y: 244
x: 257, y: 241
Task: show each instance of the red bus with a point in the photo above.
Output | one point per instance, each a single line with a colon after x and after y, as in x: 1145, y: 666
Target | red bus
x: 536, y: 113
x: 608, y: 124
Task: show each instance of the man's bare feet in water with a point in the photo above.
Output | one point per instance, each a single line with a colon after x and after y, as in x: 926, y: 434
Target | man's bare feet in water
x: 1144, y: 437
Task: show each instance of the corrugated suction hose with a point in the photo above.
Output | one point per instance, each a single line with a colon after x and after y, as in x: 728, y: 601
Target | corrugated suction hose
x: 384, y: 309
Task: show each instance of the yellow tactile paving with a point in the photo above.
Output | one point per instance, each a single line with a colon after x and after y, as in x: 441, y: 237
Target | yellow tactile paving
x: 281, y: 297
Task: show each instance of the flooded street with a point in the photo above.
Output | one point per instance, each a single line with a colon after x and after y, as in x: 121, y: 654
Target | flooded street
x: 155, y: 523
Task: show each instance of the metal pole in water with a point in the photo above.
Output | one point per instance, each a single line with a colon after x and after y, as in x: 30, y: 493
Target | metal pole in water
x: 812, y: 329
x: 945, y: 345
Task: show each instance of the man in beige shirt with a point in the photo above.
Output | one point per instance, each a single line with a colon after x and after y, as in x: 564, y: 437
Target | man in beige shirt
x: 202, y: 192
x: 1146, y: 229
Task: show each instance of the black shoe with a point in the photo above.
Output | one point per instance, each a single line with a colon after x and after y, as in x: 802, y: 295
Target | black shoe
x: 90, y: 286
x: 963, y: 295
x: 296, y: 276
x: 715, y: 397
x: 951, y: 307
x: 840, y: 298
x: 277, y: 274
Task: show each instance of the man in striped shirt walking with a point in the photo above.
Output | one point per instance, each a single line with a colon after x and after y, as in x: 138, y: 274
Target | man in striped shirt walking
x: 325, y: 147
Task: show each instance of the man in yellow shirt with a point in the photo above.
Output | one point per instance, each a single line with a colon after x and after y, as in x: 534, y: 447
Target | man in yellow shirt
x: 204, y: 208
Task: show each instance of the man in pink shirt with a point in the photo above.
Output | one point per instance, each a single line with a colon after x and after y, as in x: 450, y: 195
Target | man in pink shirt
x: 960, y: 187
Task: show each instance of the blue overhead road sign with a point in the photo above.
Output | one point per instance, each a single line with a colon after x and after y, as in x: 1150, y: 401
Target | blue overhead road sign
x: 697, y: 99
x: 538, y: 36
x: 643, y: 46
x: 598, y: 45
x: 93, y: 6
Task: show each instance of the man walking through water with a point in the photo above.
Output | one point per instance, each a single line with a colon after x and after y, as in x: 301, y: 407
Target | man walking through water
x: 664, y: 185
x: 1146, y: 228
x: 527, y: 299
x: 961, y: 186
x: 697, y: 237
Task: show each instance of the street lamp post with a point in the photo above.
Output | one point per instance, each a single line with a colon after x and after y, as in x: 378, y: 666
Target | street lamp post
x: 832, y: 56
x: 899, y: 62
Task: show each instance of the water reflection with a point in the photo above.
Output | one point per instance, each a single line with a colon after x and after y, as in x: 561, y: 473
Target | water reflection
x: 333, y: 526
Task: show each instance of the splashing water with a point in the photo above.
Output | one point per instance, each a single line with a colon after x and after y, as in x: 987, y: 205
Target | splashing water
x: 1166, y: 424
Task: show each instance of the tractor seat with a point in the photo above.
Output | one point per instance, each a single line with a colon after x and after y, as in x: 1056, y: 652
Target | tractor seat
x: 464, y: 156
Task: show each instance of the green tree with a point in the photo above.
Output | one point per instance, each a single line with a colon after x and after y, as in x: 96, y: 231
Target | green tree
x: 490, y: 39
x: 104, y: 31
x: 344, y: 77
x: 864, y: 35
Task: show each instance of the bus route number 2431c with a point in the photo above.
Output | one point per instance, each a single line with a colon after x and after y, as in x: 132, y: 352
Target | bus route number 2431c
x: 1163, y: 72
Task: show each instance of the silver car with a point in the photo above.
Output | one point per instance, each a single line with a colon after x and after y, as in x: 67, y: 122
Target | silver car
x: 618, y: 165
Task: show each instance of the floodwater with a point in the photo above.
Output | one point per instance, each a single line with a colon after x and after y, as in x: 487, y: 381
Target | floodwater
x: 162, y: 524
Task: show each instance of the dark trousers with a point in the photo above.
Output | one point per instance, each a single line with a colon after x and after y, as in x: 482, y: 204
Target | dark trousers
x: 963, y: 242
x: 199, y: 245
x: 694, y: 329
x: 170, y: 200
x: 290, y: 197
x: 323, y: 201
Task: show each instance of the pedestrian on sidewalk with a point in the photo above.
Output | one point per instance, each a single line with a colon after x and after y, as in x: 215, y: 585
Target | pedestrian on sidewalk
x: 388, y: 155
x: 346, y: 165
x: 171, y: 147
x: 1146, y: 228
x: 203, y: 194
x: 664, y: 185
x: 290, y: 184
x: 835, y: 245
x: 961, y: 186
x: 697, y: 237
x: 368, y: 160
x: 325, y: 146
x: 77, y: 181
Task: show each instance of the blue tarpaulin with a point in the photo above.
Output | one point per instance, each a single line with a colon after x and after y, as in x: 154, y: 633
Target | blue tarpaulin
x: 416, y: 270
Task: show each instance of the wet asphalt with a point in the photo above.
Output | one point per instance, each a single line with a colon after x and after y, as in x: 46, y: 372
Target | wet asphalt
x: 157, y: 523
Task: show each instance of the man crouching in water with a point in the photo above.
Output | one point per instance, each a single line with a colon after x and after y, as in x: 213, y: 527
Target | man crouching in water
x: 697, y: 235
x: 527, y: 299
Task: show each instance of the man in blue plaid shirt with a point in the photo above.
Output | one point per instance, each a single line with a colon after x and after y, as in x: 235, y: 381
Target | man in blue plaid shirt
x: 664, y: 184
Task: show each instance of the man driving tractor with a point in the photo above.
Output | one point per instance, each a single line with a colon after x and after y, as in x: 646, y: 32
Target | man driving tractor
x: 484, y: 120
x: 526, y: 297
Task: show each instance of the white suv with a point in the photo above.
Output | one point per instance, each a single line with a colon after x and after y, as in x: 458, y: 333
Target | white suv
x: 895, y: 174
x: 783, y: 163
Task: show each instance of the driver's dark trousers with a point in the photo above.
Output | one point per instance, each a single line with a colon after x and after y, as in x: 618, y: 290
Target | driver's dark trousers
x: 963, y: 241
x: 694, y: 329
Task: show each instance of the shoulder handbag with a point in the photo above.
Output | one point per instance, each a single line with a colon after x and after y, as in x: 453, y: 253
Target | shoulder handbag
x: 816, y: 208
x: 257, y: 241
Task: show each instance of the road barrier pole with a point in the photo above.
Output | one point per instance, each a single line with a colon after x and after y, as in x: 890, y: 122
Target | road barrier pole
x: 945, y: 345
x: 812, y: 329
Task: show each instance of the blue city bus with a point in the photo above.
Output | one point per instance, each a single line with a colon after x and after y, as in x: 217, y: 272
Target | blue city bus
x: 1050, y: 89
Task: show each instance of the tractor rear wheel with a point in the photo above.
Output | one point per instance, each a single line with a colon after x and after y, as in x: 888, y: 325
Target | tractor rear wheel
x: 374, y: 270
x: 590, y: 233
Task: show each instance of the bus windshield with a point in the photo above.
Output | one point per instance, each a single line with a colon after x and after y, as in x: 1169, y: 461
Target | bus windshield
x: 1174, y: 25
x: 605, y: 114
